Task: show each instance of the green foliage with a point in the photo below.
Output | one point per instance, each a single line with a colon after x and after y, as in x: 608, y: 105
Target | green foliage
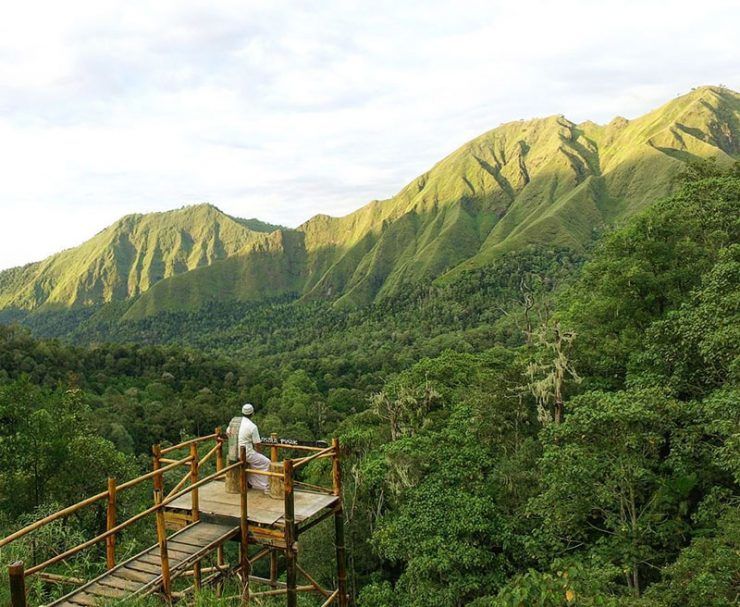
x: 705, y: 574
x: 454, y: 491
x: 647, y: 269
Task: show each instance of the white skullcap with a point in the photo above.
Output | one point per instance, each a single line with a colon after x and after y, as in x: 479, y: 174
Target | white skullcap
x: 247, y: 409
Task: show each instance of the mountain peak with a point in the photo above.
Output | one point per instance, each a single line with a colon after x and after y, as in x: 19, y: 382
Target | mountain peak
x: 542, y: 181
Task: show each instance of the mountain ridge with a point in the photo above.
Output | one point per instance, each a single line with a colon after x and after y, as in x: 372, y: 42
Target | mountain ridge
x: 543, y: 181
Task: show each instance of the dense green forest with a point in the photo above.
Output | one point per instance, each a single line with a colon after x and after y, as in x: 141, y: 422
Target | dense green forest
x: 549, y: 429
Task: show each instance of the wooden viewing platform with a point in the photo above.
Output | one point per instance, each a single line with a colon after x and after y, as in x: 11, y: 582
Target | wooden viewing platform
x: 195, y: 521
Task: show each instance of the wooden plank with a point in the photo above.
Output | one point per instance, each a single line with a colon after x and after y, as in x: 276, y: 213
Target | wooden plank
x: 154, y: 559
x: 144, y: 567
x: 98, y: 589
x: 175, y: 552
x: 120, y: 582
x: 185, y: 545
x: 85, y: 599
x: 200, y: 539
x: 134, y: 575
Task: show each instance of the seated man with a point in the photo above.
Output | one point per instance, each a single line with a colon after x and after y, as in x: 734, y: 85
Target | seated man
x: 249, y: 438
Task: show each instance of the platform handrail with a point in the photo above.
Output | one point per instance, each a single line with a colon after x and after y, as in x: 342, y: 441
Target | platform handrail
x: 304, y: 460
x: 130, y: 521
x: 187, y: 443
x: 286, y: 473
x: 83, y: 503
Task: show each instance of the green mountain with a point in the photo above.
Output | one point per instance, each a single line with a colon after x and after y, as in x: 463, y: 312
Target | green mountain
x: 542, y: 181
x: 127, y: 258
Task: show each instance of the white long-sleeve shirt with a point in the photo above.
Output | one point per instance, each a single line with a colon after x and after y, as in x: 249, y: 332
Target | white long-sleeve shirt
x: 249, y: 435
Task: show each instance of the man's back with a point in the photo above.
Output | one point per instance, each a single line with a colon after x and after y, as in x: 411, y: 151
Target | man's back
x: 248, y: 435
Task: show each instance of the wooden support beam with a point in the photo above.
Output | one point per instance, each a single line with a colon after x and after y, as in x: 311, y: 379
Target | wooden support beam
x: 313, y: 582
x: 220, y: 558
x: 280, y: 591
x: 187, y: 443
x: 110, y: 523
x: 341, y: 558
x: 52, y: 517
x: 336, y: 471
x: 246, y: 566
x: 156, y: 465
x: 195, y: 505
x: 274, y: 456
x: 17, y: 584
x: 331, y: 599
x: 273, y: 567
x: 60, y: 579
x: 290, y: 533
x: 162, y: 540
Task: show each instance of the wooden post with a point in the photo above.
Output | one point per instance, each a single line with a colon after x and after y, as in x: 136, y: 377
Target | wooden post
x: 273, y: 553
x: 195, y: 506
x: 158, y: 479
x: 290, y: 555
x: 220, y: 559
x: 219, y: 451
x: 273, y: 568
x: 162, y: 540
x: 110, y: 541
x: 273, y: 448
x: 341, y: 556
x: 194, y: 479
x: 17, y: 576
x: 336, y: 471
x: 244, y: 526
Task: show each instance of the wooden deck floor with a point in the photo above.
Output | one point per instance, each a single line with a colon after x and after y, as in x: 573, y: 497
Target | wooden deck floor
x: 142, y: 573
x: 215, y: 502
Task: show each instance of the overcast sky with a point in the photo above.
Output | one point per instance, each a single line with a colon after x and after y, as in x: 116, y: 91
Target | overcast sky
x: 282, y: 110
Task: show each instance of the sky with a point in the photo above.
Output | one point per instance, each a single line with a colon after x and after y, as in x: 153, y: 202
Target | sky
x: 282, y: 110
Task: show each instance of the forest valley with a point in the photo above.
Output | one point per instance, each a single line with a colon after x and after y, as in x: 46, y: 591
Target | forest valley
x: 554, y: 428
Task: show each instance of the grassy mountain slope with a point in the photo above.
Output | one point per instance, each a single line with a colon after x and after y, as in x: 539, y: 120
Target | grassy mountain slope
x: 128, y: 257
x: 543, y: 181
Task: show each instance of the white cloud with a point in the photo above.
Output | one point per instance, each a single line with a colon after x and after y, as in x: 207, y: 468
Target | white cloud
x: 286, y: 109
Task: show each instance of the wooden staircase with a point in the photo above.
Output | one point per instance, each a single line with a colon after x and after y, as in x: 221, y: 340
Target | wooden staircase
x: 142, y: 574
x: 206, y: 516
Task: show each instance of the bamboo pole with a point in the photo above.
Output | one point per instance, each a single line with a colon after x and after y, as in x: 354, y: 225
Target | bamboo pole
x: 290, y: 533
x: 60, y: 579
x: 17, y: 584
x: 274, y: 455
x: 341, y: 557
x: 244, y: 526
x: 156, y: 465
x: 193, y: 480
x: 331, y: 599
x: 181, y: 483
x: 187, y: 443
x: 52, y: 517
x: 110, y: 520
x: 162, y: 540
x: 220, y: 559
x: 306, y: 588
x: 336, y: 471
x: 121, y: 526
x: 145, y: 477
x: 195, y: 505
x: 304, y: 460
x: 313, y: 582
x: 288, y: 447
x: 208, y: 455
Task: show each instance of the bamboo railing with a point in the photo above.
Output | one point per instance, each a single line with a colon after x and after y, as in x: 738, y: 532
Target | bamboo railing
x: 189, y: 484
